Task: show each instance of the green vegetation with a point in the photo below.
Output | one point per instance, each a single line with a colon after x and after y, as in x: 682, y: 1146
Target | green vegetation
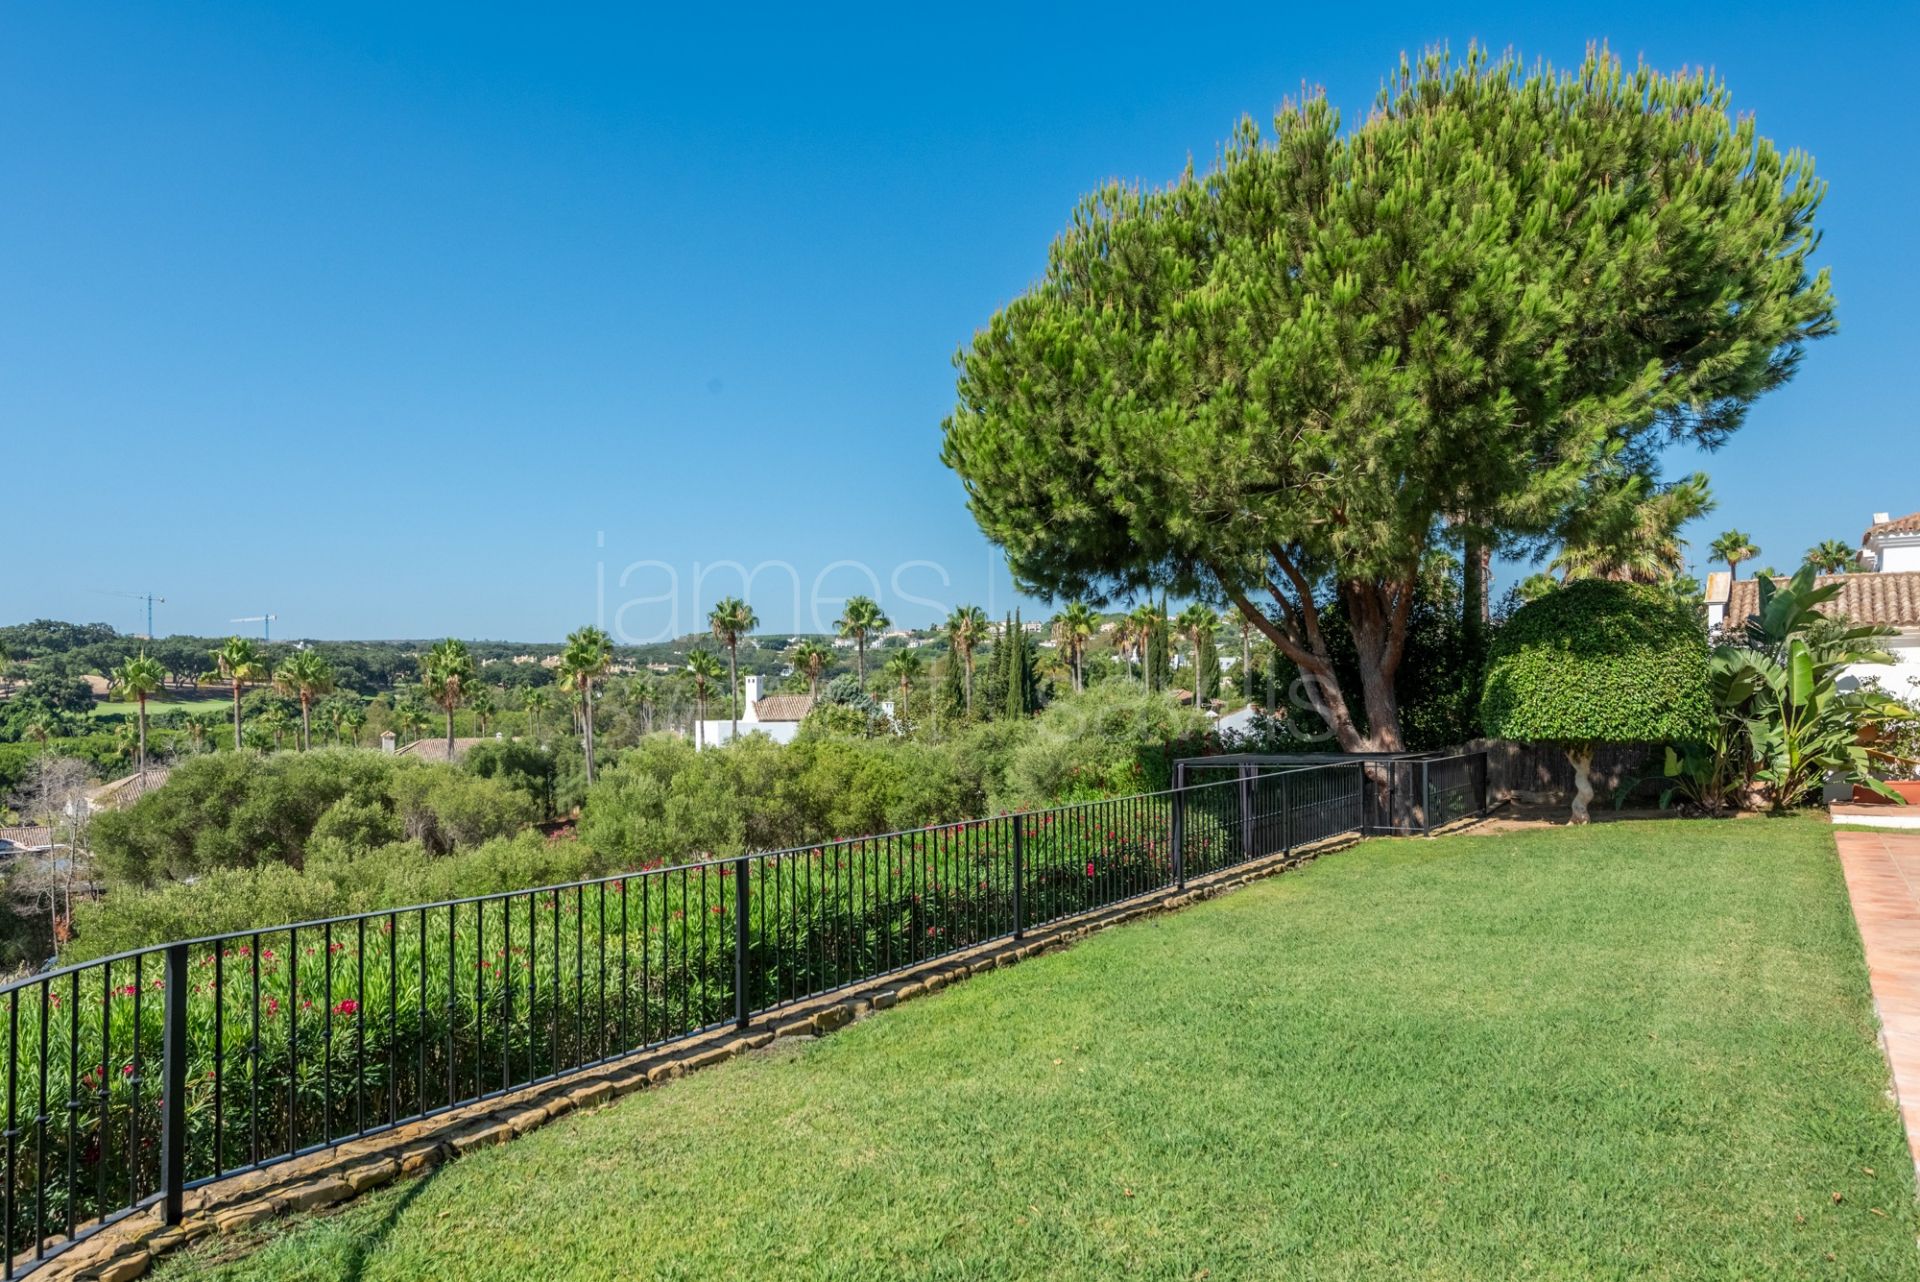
x: 1781, y: 722
x: 1733, y: 547
x: 1830, y: 556
x: 1291, y: 377
x: 248, y: 839
x: 1629, y: 1050
x: 1598, y: 662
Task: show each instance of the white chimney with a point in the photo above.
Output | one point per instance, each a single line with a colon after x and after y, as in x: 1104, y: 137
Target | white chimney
x: 1881, y: 518
x: 750, y: 690
x: 1719, y: 589
x: 387, y: 741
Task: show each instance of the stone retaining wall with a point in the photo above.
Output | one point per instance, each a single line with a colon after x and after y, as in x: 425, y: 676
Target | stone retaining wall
x: 126, y: 1249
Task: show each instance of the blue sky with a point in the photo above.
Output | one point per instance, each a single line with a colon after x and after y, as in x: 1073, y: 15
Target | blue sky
x: 401, y: 321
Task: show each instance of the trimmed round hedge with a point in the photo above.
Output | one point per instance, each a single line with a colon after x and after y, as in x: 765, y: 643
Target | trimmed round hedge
x: 1599, y: 662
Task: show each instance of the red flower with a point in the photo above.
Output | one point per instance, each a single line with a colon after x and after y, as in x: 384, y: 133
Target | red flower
x: 347, y: 1007
x: 1089, y: 867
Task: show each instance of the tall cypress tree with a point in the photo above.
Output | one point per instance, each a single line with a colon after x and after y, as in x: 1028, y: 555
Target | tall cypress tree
x: 1019, y: 698
x: 1206, y: 671
x: 952, y: 691
x: 1160, y: 650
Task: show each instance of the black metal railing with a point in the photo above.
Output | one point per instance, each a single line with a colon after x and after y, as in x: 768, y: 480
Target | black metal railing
x: 134, y: 1078
x: 1401, y: 793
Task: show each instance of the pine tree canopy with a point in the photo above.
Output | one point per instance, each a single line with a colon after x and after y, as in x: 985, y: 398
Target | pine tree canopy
x: 1285, y: 378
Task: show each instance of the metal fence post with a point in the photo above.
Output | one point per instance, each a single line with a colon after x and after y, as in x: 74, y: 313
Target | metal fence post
x: 173, y: 1085
x: 740, y: 942
x: 1179, y: 827
x: 1426, y: 800
x: 1286, y: 815
x: 1246, y: 812
x: 1019, y: 876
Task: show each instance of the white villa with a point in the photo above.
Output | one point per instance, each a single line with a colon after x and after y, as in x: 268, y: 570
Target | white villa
x: 1885, y: 592
x: 777, y: 716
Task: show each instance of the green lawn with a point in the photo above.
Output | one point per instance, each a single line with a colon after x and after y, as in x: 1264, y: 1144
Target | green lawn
x: 1644, y: 1049
x: 157, y: 707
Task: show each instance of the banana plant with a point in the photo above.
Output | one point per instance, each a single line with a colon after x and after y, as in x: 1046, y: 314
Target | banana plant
x: 1781, y: 689
x: 1711, y: 773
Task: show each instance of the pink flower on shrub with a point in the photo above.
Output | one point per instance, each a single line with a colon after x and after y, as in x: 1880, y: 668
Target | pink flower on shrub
x: 1089, y: 867
x: 273, y: 1005
x: 347, y: 1007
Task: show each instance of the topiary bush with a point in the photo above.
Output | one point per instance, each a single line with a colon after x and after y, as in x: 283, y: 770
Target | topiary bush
x: 1598, y: 662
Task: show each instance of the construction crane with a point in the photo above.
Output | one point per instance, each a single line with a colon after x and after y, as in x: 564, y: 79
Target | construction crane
x: 264, y: 620
x: 150, y: 599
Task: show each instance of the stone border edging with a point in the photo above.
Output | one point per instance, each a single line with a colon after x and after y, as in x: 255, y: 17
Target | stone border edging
x: 125, y: 1250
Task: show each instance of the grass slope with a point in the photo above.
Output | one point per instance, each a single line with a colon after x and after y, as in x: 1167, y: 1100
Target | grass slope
x: 1643, y: 1049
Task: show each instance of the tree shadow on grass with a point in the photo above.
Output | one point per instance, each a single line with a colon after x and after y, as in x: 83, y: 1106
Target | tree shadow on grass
x: 354, y: 1264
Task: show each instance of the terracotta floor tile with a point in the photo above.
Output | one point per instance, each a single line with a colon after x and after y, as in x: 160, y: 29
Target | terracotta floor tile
x: 1883, y: 883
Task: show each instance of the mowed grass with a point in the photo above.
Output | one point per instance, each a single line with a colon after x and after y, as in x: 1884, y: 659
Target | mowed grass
x: 1644, y: 1049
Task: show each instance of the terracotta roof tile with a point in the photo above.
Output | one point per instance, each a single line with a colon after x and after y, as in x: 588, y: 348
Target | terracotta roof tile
x: 436, y: 749
x: 1908, y: 524
x: 1889, y: 599
x: 124, y: 792
x: 784, y: 707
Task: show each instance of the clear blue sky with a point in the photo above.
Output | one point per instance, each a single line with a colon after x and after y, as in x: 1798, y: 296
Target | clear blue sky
x: 383, y: 317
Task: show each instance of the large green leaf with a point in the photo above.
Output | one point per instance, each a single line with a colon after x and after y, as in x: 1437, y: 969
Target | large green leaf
x: 1800, y: 683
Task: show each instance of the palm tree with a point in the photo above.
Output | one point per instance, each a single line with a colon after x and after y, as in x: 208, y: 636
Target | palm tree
x: 352, y: 718
x: 535, y: 703
x: 481, y: 704
x: 197, y: 731
x: 412, y: 719
x: 1123, y: 642
x: 1073, y: 627
x: 140, y: 679
x: 1831, y: 556
x: 275, y: 721
x: 731, y: 620
x: 305, y: 675
x: 966, y: 629
x: 860, y: 620
x: 1733, y: 547
x: 1194, y: 623
x: 586, y: 659
x: 1147, y: 621
x: 1629, y: 528
x: 446, y: 671
x: 239, y: 662
x: 704, y: 667
x: 811, y: 658
x: 1233, y: 619
x: 903, y: 666
x: 642, y: 693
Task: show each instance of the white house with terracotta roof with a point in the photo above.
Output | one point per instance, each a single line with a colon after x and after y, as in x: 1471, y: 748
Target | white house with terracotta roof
x: 1887, y: 593
x: 777, y: 716
x: 1891, y: 545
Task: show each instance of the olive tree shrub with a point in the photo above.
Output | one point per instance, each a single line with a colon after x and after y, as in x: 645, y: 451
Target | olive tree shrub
x: 1598, y: 662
